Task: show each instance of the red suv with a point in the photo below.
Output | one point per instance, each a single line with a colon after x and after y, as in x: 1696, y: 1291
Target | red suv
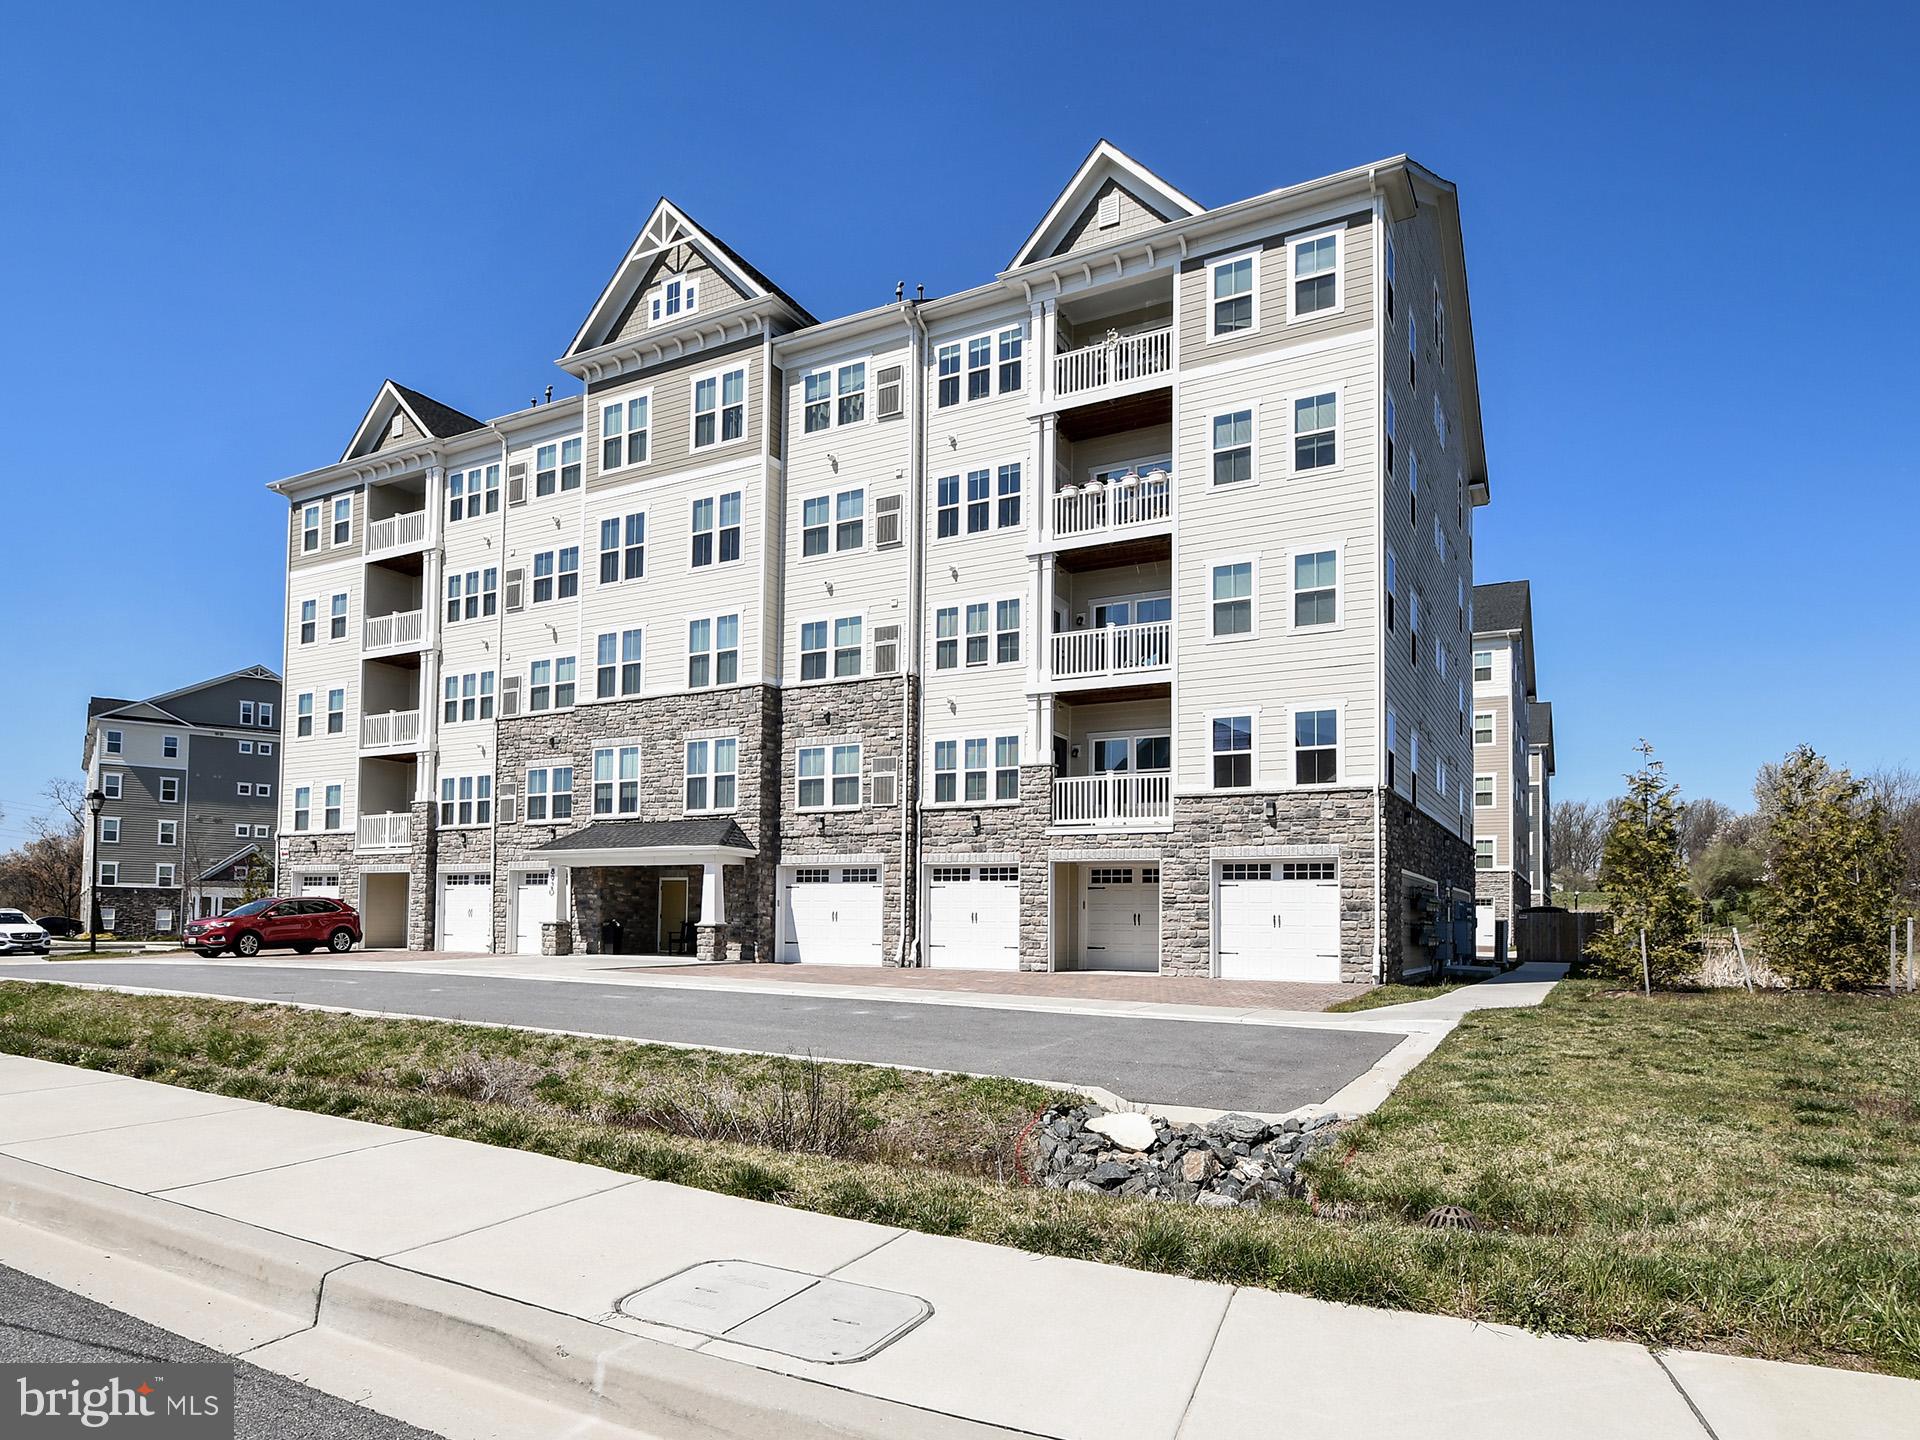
x: 298, y: 922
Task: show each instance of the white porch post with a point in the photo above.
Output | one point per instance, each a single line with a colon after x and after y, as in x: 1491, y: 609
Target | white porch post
x: 713, y: 894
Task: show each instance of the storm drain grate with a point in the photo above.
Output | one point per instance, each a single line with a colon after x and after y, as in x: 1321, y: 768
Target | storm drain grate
x: 786, y: 1311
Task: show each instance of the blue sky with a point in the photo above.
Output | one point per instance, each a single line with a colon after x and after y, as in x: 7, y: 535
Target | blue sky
x: 224, y: 224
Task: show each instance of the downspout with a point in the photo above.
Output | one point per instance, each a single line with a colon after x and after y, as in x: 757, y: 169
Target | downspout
x: 913, y: 383
x: 499, y: 687
x: 1380, y: 564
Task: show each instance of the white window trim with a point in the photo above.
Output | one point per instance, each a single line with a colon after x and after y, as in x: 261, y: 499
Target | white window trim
x: 528, y: 600
x: 826, y: 777
x: 719, y: 409
x: 691, y: 284
x: 616, y: 745
x: 605, y: 402
x: 1316, y: 547
x: 163, y: 875
x: 105, y: 821
x: 1214, y: 562
x: 828, y: 618
x: 553, y: 661
x: 959, y: 738
x: 110, y: 784
x: 965, y: 342
x: 619, y: 516
x: 993, y: 467
x: 475, y: 824
x: 710, y: 773
x: 832, y: 369
x: 113, y: 742
x: 713, y: 650
x: 548, y: 764
x: 106, y: 879
x: 169, y: 782
x: 1493, y: 790
x: 1252, y: 712
x: 1493, y: 727
x: 1253, y: 445
x: 716, y: 563
x: 1338, y: 389
x: 1340, y: 775
x: 1253, y: 254
x: 1294, y: 242
x: 832, y: 497
x: 591, y: 667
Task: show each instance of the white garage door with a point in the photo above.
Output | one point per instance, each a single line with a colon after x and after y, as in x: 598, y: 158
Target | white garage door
x: 466, y: 911
x: 319, y: 884
x: 830, y: 914
x: 1122, y: 913
x: 1279, y: 920
x: 535, y: 902
x: 973, y: 917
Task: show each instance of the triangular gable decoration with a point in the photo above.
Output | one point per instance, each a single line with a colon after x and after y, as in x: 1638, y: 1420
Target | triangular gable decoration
x: 1107, y: 172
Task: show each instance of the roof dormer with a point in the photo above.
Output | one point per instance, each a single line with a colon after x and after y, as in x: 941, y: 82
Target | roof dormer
x: 1110, y: 197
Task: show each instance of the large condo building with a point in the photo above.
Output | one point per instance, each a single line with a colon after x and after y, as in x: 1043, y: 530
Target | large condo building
x: 1093, y: 617
x: 1512, y: 764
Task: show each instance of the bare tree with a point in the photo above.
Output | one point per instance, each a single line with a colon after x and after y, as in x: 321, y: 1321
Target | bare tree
x: 1898, y: 788
x: 1701, y: 823
x: 46, y: 875
x: 1579, y: 829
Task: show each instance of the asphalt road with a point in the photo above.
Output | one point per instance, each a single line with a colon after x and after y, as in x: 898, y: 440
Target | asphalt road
x: 1265, y: 1068
x: 40, y: 1323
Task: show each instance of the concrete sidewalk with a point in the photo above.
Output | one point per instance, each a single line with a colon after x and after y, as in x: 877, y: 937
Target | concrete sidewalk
x: 475, y: 1291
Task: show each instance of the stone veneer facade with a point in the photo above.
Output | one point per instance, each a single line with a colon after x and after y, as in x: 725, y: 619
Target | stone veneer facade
x: 1419, y: 849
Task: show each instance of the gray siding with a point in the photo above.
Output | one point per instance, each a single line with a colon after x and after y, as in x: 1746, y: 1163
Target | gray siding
x: 671, y: 413
x: 1086, y: 233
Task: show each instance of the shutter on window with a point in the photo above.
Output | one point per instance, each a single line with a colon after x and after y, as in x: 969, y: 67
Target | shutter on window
x: 517, y: 483
x: 510, y: 695
x: 886, y: 779
x: 887, y: 402
x: 886, y: 521
x: 886, y: 649
x: 516, y: 590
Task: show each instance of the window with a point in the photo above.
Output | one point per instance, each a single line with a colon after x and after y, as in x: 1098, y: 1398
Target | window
x: 110, y: 830
x: 1009, y: 512
x: 948, y: 363
x: 833, y: 522
x: 466, y: 799
x: 1393, y: 588
x: 1483, y: 792
x: 550, y: 794
x: 946, y: 507
x: 977, y: 637
x: 1233, y: 447
x: 624, y: 430
x: 110, y: 786
x: 342, y: 519
x: 623, y: 548
x: 309, y: 621
x: 169, y: 789
x: 617, y: 664
x: 1439, y: 348
x: 1439, y: 539
x: 266, y: 747
x: 107, y: 912
x: 1413, y: 627
x: 975, y: 768
x: 109, y: 875
x: 1011, y: 344
x: 336, y: 712
x: 550, y: 683
x: 713, y: 651
x: 1439, y: 422
x: 303, y: 713
x: 1006, y: 629
x: 1232, y: 752
x: 331, y: 810
x: 946, y: 637
x: 727, y: 507
x: 245, y: 787
x: 1314, y: 265
x: 1390, y: 436
x: 983, y: 352
x: 302, y: 807
x: 1315, y: 588
x: 681, y: 293
x: 1233, y: 598
x: 1390, y: 274
x: 472, y: 595
x: 1232, y: 284
x: 712, y: 773
x: 846, y: 646
x: 1483, y: 854
x: 821, y: 411
x: 616, y: 780
x: 113, y: 742
x: 979, y: 367
x: 1482, y: 666
x: 1006, y: 768
x: 979, y: 500
x: 163, y: 914
x: 561, y: 463
x: 246, y: 712
x: 1314, y: 445
x: 471, y: 493
x: 1413, y: 353
x: 1393, y: 744
x: 337, y: 617
x: 309, y: 529
x: 265, y: 714
x: 263, y: 790
x: 467, y: 698
x: 556, y: 574
x: 1316, y: 747
x: 719, y: 408
x: 813, y: 649
x: 163, y: 878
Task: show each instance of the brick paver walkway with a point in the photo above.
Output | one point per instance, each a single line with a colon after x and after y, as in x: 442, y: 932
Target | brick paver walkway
x: 1069, y: 984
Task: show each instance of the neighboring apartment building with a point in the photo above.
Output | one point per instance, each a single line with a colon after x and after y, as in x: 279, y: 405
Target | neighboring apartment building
x: 1512, y: 761
x: 1093, y: 617
x: 188, y: 780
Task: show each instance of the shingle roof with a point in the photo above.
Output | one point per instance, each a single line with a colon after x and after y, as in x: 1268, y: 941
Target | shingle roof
x: 806, y: 316
x: 1502, y: 605
x: 442, y: 421
x: 101, y: 704
x: 720, y: 832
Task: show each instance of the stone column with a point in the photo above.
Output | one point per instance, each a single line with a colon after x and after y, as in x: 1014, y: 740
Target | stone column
x: 712, y: 929
x: 422, y: 876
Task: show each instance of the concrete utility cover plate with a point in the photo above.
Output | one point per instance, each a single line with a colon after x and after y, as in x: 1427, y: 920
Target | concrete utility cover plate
x: 805, y: 1316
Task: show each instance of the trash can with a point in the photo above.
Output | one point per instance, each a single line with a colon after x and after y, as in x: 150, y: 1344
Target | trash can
x: 610, y: 937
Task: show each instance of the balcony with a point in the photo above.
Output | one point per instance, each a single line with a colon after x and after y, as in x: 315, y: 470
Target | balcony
x: 395, y: 730
x: 385, y: 832
x: 1113, y: 650
x: 1114, y: 366
x: 407, y: 531
x: 1130, y: 502
x: 1114, y: 801
x: 391, y: 634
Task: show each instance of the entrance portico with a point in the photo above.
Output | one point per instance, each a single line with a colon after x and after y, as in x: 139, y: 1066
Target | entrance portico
x: 658, y: 887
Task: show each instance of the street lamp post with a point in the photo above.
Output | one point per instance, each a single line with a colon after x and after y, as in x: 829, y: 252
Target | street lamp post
x: 96, y: 801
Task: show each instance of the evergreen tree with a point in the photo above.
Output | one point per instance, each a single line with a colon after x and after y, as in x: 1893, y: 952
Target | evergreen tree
x: 1646, y: 884
x: 1836, y: 869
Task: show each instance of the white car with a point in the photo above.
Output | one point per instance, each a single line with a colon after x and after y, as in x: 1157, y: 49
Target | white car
x: 19, y: 934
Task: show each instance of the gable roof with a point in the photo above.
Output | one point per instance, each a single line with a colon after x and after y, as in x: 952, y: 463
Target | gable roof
x: 132, y: 710
x: 1506, y: 607
x: 102, y: 705
x: 696, y: 832
x: 1106, y: 161
x: 251, y: 672
x: 235, y: 858
x: 435, y: 420
x: 667, y: 226
x: 1540, y: 728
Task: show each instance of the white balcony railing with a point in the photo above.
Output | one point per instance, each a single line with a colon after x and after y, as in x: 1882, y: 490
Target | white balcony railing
x: 1117, y: 360
x: 1113, y: 802
x: 1114, y: 504
x: 385, y: 832
x: 405, y: 629
x: 395, y: 730
x: 1112, y: 650
x: 397, y: 532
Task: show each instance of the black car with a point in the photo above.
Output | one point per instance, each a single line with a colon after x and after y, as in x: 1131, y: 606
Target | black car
x: 63, y: 927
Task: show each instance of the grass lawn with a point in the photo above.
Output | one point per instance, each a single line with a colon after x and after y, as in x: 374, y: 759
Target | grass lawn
x: 1732, y: 1172
x: 1394, y: 995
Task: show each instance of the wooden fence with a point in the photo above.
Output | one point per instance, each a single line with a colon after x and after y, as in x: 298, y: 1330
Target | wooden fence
x: 1556, y: 936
